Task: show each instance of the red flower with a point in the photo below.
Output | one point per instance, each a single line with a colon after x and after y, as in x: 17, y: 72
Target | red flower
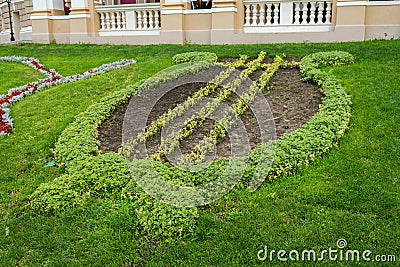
x: 4, y: 100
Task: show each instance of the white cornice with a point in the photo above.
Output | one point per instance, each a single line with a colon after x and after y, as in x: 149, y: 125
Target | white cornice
x: 199, y: 11
x: 368, y: 3
x: 76, y: 16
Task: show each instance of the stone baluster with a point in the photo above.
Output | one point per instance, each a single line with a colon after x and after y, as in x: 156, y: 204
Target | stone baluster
x: 328, y: 13
x: 139, y: 20
x: 297, y: 13
x: 103, y: 21
x: 276, y: 14
x: 145, y: 20
x: 123, y: 15
x: 118, y: 20
x: 157, y: 19
x: 253, y: 8
x: 151, y: 20
x: 108, y: 21
x: 134, y: 20
x: 247, y: 18
x: 269, y: 14
x: 312, y: 12
x: 113, y: 22
x: 320, y: 16
x: 262, y: 15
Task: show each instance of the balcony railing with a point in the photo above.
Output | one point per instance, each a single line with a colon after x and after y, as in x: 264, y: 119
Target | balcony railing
x: 276, y: 16
x: 261, y: 13
x: 138, y: 19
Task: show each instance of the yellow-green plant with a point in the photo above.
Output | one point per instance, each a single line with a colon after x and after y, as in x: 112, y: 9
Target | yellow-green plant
x: 222, y: 126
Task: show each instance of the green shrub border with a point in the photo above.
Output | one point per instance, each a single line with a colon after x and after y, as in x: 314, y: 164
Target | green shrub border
x: 323, y: 130
x: 91, y: 174
x: 194, y: 57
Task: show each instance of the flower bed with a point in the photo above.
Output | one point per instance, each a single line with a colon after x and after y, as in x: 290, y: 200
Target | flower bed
x: 53, y: 78
x: 90, y: 173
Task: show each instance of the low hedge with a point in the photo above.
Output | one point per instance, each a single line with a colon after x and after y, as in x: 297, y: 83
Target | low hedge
x: 194, y: 57
x: 322, y: 131
x: 92, y: 174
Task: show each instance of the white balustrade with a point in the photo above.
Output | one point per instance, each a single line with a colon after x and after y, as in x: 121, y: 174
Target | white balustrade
x: 266, y: 13
x: 138, y: 17
x: 312, y: 12
x: 261, y: 13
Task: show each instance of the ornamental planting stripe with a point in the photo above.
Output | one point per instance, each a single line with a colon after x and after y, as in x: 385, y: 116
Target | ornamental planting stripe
x: 222, y: 126
x: 197, y: 119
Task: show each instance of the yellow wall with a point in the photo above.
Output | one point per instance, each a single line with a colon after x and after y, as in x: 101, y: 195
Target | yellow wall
x: 352, y: 15
x: 351, y: 21
x: 195, y: 22
x: 378, y: 15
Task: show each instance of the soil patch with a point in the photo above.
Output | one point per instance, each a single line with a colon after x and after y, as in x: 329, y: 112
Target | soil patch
x: 292, y: 102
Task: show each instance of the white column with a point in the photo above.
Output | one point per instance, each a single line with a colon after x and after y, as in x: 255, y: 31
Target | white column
x: 48, y: 4
x: 130, y: 20
x: 77, y: 4
x: 286, y: 13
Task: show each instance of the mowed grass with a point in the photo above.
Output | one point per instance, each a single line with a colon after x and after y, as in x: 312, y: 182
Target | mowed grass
x: 352, y: 193
x: 15, y: 74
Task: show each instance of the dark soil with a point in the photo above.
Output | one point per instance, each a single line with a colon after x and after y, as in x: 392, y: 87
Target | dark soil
x: 292, y: 102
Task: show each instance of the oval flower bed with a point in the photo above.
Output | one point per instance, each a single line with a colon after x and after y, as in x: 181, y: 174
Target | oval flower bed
x: 92, y: 174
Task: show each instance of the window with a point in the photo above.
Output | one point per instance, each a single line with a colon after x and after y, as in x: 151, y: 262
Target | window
x: 199, y: 4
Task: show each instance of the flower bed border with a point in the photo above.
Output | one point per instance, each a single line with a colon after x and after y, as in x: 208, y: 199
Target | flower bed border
x: 194, y: 57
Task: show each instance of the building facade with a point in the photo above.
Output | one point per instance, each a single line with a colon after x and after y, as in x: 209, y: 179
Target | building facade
x: 183, y: 21
x: 20, y: 17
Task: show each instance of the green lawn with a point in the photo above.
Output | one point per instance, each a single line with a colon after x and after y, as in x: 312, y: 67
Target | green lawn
x: 352, y: 193
x: 15, y: 74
